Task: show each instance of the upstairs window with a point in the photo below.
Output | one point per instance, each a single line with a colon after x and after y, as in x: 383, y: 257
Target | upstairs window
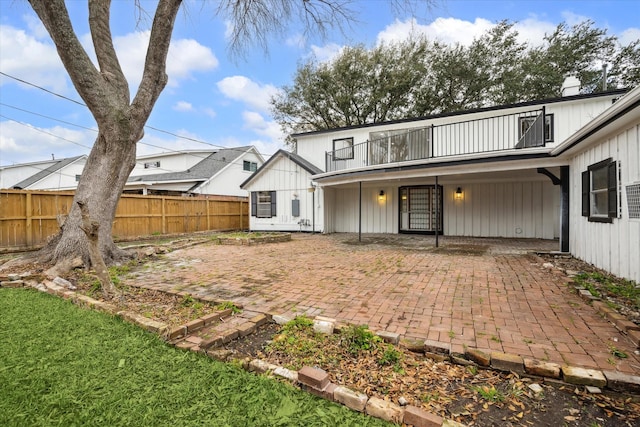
x: 149, y: 165
x: 249, y: 166
x: 533, y: 132
x: 343, y: 149
x: 263, y: 204
x: 600, y: 191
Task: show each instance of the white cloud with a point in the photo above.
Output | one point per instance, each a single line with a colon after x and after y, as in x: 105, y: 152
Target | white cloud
x: 258, y: 124
x: 241, y: 88
x: 20, y: 143
x: 210, y: 112
x: 183, y: 106
x: 327, y: 52
x: 452, y: 30
x: 297, y: 41
x: 24, y: 56
x: 629, y: 35
x: 185, y: 57
x: 572, y: 18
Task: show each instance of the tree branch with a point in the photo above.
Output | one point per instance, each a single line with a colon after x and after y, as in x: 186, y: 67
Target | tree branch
x: 99, y: 15
x: 83, y: 73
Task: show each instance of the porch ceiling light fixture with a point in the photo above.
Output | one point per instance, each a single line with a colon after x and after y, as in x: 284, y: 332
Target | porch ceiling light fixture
x: 381, y: 196
x: 459, y: 195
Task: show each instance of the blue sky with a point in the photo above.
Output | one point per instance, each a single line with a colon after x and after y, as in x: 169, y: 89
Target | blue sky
x: 221, y: 100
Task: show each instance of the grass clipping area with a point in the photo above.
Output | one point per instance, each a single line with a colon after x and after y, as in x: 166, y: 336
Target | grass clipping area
x: 65, y: 365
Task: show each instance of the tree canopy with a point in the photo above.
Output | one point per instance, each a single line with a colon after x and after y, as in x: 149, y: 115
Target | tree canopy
x: 418, y: 77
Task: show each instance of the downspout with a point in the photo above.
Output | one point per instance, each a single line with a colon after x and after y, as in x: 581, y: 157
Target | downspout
x: 360, y: 212
x: 437, y: 213
x: 313, y: 211
x: 564, y: 208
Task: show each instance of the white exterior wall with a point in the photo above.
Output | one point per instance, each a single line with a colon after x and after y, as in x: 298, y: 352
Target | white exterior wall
x: 227, y: 181
x: 62, y: 179
x: 169, y: 162
x: 568, y: 117
x: 614, y: 247
x: 528, y: 209
x: 289, y: 181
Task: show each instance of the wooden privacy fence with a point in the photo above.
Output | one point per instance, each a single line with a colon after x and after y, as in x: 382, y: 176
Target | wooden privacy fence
x: 28, y: 218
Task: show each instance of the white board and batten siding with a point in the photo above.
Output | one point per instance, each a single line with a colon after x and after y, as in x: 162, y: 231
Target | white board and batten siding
x: 290, y: 181
x: 527, y: 209
x: 615, y: 246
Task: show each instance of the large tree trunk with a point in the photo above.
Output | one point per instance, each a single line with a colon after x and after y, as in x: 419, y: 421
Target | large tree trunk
x: 120, y: 120
x: 99, y: 190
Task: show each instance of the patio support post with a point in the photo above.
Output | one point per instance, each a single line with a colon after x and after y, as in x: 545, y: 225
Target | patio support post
x: 360, y: 212
x: 437, y: 212
x: 564, y: 208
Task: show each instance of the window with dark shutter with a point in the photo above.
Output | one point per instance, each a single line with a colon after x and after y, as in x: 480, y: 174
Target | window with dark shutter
x: 254, y: 203
x: 613, y: 189
x: 273, y: 204
x: 600, y: 191
x: 585, y: 193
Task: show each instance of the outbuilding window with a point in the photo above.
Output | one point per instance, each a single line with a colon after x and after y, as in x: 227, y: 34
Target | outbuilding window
x: 600, y: 191
x: 263, y: 204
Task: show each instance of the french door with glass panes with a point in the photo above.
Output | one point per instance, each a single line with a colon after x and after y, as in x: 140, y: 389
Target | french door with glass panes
x: 421, y: 209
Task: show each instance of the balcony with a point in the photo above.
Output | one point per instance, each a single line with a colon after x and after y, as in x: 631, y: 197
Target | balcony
x: 486, y: 135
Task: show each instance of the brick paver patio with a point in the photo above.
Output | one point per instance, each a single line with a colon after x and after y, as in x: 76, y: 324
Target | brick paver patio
x: 481, y: 293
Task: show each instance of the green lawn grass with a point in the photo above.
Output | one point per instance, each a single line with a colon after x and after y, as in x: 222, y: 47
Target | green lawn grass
x: 68, y: 366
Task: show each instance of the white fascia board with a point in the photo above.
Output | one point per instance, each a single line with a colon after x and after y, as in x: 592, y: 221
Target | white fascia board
x: 598, y: 127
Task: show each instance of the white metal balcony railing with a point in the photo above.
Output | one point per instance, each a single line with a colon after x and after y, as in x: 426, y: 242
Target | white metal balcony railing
x: 497, y: 133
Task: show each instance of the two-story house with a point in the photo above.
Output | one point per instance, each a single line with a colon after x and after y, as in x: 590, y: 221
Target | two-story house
x: 189, y: 172
x: 565, y: 168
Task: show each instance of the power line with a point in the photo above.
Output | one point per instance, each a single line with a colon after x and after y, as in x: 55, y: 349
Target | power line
x: 146, y: 126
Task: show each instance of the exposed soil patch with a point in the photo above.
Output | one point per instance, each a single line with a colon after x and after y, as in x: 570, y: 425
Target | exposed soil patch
x: 466, y: 394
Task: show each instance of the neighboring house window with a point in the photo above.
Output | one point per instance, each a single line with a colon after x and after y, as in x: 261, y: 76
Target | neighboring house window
x: 343, y: 149
x: 263, y: 204
x: 78, y: 178
x: 531, y: 131
x: 600, y: 191
x: 249, y: 166
x: 149, y: 165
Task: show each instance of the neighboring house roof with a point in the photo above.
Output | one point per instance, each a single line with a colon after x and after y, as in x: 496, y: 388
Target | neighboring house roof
x: 470, y: 111
x: 59, y: 164
x: 201, y: 171
x: 300, y: 161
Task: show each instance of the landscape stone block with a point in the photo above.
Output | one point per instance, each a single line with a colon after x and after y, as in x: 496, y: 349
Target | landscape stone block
x: 437, y: 347
x: 385, y: 410
x: 542, y: 369
x: 246, y: 329
x: 323, y: 325
x: 390, y: 337
x: 259, y: 320
x: 280, y: 320
x: 260, y: 366
x: 210, y: 318
x: 194, y: 325
x: 619, y: 381
x: 229, y: 335
x: 583, y: 376
x: 420, y: 418
x: 212, y: 342
x: 313, y: 377
x: 220, y: 354
x: 350, y: 398
x: 325, y: 393
x: 635, y: 337
x: 414, y: 345
x: 480, y: 357
x: 177, y: 332
x: 285, y: 373
x: 507, y: 362
x: 12, y: 284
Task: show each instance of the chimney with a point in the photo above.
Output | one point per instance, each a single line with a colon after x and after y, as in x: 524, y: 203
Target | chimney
x: 570, y: 86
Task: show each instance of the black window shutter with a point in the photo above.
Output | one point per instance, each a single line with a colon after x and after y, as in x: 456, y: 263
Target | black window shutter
x: 273, y: 203
x: 254, y: 203
x: 613, y: 189
x: 586, y: 188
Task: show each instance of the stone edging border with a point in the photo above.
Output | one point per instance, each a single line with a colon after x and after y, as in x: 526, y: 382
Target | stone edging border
x: 316, y: 381
x: 249, y: 241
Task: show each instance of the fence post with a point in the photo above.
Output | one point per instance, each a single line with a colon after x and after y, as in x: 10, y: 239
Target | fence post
x: 208, y: 216
x: 241, y: 217
x: 28, y: 224
x: 164, y: 217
